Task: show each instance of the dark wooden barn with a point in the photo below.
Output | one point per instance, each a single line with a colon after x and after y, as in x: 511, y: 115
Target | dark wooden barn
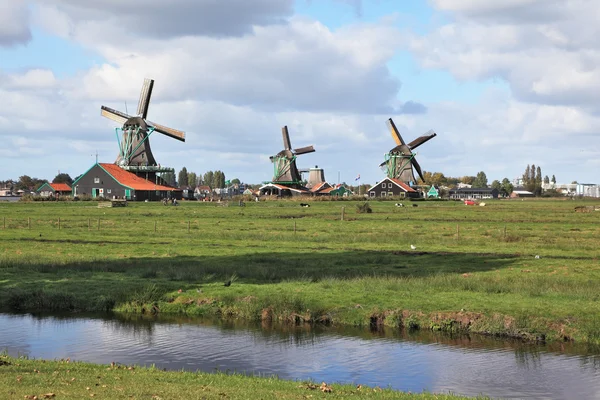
x: 111, y: 181
x: 390, y: 187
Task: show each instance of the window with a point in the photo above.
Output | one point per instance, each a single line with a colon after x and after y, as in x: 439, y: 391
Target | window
x: 402, y: 194
x: 372, y: 194
x: 108, y: 190
x: 383, y: 194
x: 96, y: 180
x: 390, y: 194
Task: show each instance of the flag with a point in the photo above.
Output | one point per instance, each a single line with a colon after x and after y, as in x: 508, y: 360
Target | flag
x: 227, y: 182
x: 357, y: 178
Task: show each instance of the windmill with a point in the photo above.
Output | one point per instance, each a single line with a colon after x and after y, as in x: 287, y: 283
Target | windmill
x: 134, y: 146
x: 284, y: 162
x: 400, y: 161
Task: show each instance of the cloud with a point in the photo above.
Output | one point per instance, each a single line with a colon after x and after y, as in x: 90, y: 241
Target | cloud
x: 14, y: 23
x: 176, y: 18
x: 547, y: 51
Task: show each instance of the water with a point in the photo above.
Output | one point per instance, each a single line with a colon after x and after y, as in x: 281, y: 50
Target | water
x: 437, y: 363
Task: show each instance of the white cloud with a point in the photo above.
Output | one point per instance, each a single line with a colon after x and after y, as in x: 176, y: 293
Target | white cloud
x: 14, y: 22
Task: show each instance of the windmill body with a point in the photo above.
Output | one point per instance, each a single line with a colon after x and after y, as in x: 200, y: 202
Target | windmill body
x: 284, y: 163
x: 135, y: 154
x: 400, y: 162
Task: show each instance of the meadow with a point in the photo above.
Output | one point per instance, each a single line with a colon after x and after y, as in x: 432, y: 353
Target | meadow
x: 474, y: 269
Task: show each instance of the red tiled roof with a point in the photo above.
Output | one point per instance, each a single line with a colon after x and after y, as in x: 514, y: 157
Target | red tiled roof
x: 60, y: 187
x: 402, y: 185
x: 131, y: 180
x: 318, y: 187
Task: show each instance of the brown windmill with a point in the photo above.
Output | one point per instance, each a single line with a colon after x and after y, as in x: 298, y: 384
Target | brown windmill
x: 134, y: 146
x: 284, y: 163
x: 400, y: 161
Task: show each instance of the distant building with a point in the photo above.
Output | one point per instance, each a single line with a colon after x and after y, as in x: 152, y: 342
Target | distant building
x: 110, y: 180
x: 587, y: 190
x: 338, y: 190
x: 275, y: 189
x: 521, y: 193
x: 473, y: 193
x: 390, y: 187
x: 54, y: 190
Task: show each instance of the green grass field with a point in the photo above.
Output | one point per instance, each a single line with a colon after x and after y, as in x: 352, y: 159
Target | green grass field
x: 474, y: 268
x: 60, y: 379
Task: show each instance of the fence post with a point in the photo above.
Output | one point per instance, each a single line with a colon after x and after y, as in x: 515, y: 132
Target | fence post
x: 457, y: 232
x: 89, y: 223
x: 154, y: 226
x: 28, y: 223
x: 343, y: 209
x: 59, y: 223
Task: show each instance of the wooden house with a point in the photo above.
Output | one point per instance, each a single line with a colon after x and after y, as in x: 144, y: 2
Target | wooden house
x: 473, y: 193
x: 54, y: 190
x: 111, y: 181
x: 433, y: 192
x: 390, y: 187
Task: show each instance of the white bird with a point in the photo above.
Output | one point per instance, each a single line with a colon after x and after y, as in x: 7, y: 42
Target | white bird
x: 412, y: 246
x: 537, y: 257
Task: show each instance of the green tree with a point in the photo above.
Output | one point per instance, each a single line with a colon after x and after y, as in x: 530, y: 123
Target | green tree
x: 182, y: 177
x: 235, y: 181
x: 208, y: 179
x: 169, y: 179
x: 467, y: 180
x: 553, y: 179
x: 28, y: 183
x: 496, y: 185
x: 546, y: 180
x: 507, y: 187
x: 192, y: 180
x: 63, y: 178
x: 480, y: 180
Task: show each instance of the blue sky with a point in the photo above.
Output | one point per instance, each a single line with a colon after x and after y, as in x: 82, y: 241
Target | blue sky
x: 496, y: 84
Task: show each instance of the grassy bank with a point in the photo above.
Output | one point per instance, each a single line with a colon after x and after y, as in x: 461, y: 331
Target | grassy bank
x: 39, y: 379
x: 474, y: 268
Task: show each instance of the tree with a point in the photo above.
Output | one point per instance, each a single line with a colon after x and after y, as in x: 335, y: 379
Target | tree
x: 235, y: 181
x: 28, y: 183
x: 208, y: 179
x: 496, y: 185
x: 169, y: 178
x: 507, y: 187
x: 480, y: 180
x: 467, y: 180
x: 63, y: 178
x: 546, y: 180
x: 553, y: 179
x: 192, y: 180
x: 182, y: 177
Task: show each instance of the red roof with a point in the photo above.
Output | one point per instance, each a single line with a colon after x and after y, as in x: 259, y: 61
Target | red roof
x: 131, y: 180
x: 60, y: 187
x: 402, y: 185
x: 318, y: 186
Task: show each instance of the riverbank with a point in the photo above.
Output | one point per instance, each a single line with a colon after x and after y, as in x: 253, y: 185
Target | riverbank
x: 474, y: 269
x: 63, y: 379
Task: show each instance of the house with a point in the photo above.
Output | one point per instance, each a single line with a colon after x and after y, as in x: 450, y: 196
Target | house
x: 111, y: 181
x: 392, y: 187
x: 433, y: 193
x: 54, y: 190
x: 521, y: 193
x: 473, y: 193
x: 275, y: 189
x: 320, y: 188
x: 338, y: 190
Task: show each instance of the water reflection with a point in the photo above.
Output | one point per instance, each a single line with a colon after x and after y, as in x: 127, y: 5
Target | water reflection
x: 405, y: 361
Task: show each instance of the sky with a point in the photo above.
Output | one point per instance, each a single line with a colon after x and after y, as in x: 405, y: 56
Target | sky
x: 503, y: 84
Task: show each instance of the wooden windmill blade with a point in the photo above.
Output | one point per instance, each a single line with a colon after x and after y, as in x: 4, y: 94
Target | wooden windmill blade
x: 417, y: 167
x: 174, y: 133
x: 287, y: 145
x: 395, y: 133
x: 117, y: 116
x: 304, y: 150
x: 422, y: 139
x: 145, y: 95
